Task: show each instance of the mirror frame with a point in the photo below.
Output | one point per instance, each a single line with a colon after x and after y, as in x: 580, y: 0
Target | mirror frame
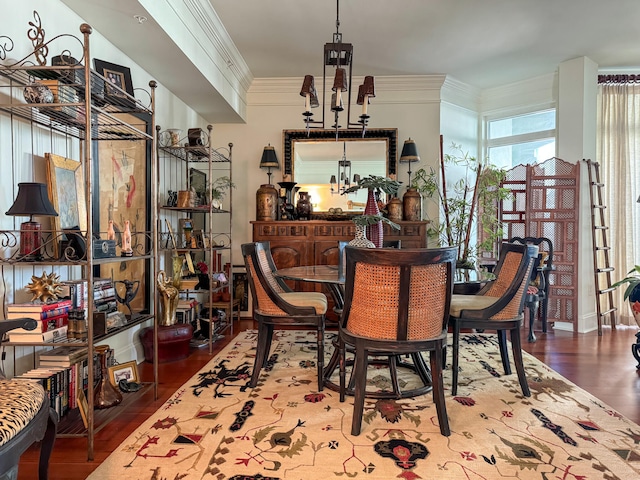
x: 390, y: 135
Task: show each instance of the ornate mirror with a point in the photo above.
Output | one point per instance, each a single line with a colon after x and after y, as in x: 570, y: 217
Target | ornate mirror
x: 313, y: 163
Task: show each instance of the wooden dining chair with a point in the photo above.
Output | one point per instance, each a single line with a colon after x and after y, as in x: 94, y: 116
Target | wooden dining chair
x: 396, y: 303
x: 536, y: 299
x: 275, y: 305
x: 498, y: 306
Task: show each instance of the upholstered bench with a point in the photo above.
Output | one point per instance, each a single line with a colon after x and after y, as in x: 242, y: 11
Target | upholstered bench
x: 26, y: 417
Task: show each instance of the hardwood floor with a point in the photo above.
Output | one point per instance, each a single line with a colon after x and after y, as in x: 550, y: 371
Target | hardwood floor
x: 604, y: 366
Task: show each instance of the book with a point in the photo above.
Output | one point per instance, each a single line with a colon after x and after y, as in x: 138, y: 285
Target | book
x: 37, y: 307
x: 104, y: 293
x: 56, y: 312
x: 42, y: 325
x: 55, y: 335
x: 67, y: 353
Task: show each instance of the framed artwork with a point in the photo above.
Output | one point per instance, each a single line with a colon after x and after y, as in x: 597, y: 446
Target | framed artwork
x: 123, y: 371
x: 118, y: 78
x: 66, y: 192
x: 198, y: 182
x: 83, y: 406
x: 121, y: 191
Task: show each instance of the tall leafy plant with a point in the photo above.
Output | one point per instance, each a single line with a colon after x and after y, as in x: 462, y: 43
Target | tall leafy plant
x: 474, y: 194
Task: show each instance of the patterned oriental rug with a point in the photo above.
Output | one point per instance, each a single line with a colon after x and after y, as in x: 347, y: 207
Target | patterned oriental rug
x: 214, y: 427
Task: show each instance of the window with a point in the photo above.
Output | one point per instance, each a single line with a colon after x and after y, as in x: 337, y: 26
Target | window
x: 521, y: 139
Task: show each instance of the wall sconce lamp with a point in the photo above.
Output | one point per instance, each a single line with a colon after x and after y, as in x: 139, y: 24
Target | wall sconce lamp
x: 32, y: 199
x: 269, y: 160
x: 409, y: 155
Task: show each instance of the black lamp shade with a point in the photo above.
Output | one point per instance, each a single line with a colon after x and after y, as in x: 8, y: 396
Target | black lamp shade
x: 269, y: 159
x: 32, y: 199
x: 409, y: 152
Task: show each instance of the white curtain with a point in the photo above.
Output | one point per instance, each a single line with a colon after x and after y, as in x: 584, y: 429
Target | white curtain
x: 618, y: 152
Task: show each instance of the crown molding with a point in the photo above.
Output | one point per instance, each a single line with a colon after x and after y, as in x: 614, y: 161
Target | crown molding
x: 408, y: 89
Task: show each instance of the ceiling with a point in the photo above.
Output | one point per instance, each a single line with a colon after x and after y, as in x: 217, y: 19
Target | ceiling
x: 484, y: 44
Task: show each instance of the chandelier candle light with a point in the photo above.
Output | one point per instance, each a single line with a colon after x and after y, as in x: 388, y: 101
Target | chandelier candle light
x: 339, y: 55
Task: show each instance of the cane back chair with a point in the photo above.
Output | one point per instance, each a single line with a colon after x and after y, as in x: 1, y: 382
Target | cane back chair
x: 396, y: 303
x: 275, y: 305
x: 498, y: 306
x: 538, y: 290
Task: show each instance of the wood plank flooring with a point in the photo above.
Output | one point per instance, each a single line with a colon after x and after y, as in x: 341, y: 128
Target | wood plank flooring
x: 604, y: 366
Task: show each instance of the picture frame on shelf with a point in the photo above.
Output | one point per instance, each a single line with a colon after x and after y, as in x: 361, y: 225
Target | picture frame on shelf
x: 198, y: 182
x: 83, y: 406
x: 118, y: 79
x: 127, y: 371
x: 66, y: 192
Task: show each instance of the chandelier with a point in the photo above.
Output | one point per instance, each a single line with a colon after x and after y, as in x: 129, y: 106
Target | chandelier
x: 339, y: 57
x: 340, y: 183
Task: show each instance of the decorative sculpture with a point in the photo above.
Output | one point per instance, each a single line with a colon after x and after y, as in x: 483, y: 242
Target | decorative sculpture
x: 131, y: 290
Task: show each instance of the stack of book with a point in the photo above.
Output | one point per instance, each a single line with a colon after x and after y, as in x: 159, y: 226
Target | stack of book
x: 63, y: 372
x: 104, y: 295
x: 52, y: 321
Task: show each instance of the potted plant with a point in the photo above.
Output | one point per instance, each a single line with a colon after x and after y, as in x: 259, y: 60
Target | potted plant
x: 372, y: 218
x: 632, y: 292
x: 475, y: 195
x: 217, y: 190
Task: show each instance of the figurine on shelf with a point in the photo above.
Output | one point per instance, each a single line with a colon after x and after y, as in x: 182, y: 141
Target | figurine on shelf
x: 111, y: 232
x: 131, y: 290
x: 172, y: 200
x: 127, y: 251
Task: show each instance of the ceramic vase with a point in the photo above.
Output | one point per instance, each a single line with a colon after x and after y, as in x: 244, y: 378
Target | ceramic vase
x: 105, y: 395
x: 304, y: 207
x: 374, y: 232
x: 266, y: 203
x: 412, y: 205
x: 394, y: 210
x: 168, y: 300
x: 361, y: 238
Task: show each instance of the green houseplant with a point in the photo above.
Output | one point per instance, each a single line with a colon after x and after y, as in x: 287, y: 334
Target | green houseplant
x: 372, y: 219
x: 473, y: 196
x: 632, y: 281
x: 217, y: 190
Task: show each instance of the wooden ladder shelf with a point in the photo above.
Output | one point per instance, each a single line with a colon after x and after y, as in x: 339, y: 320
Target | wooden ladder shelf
x: 601, y: 265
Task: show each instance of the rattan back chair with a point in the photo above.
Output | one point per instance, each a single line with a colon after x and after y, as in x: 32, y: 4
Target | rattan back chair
x: 538, y: 290
x: 396, y: 303
x: 274, y: 306
x: 498, y: 306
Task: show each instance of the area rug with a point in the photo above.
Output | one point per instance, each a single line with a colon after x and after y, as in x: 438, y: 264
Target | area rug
x: 215, y: 427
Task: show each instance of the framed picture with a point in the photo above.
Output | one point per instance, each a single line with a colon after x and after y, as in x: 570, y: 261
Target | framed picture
x: 198, y: 181
x: 83, y: 406
x: 127, y: 371
x: 121, y: 184
x: 118, y: 78
x: 66, y: 192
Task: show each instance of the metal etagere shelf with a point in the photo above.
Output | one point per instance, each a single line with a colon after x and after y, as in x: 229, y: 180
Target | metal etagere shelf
x: 215, y: 240
x: 83, y: 112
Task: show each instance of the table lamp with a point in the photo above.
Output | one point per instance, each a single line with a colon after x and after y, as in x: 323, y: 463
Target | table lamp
x: 269, y: 160
x: 409, y: 155
x: 32, y: 199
